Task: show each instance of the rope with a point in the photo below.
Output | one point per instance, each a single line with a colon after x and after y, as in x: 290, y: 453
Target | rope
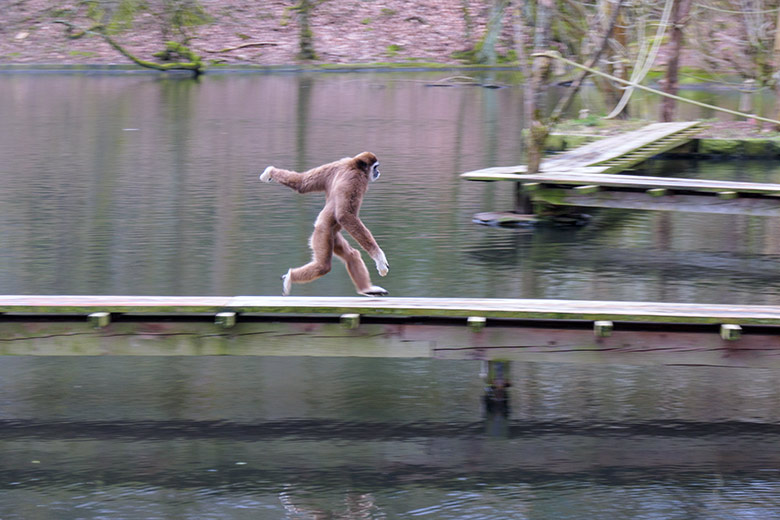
x: 730, y: 11
x: 639, y: 72
x: 557, y: 56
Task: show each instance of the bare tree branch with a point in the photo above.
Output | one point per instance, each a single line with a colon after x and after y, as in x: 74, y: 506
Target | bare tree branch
x: 565, y: 102
x: 195, y: 64
x: 242, y: 46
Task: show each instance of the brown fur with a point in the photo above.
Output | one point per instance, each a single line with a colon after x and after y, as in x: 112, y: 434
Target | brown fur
x: 344, y: 182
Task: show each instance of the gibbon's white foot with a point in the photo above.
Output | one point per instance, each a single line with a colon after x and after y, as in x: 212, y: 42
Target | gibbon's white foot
x: 381, y: 263
x: 374, y: 290
x: 266, y: 175
x: 286, y: 283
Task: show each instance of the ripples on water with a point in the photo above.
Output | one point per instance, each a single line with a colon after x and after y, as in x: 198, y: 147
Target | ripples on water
x: 350, y: 438
x: 139, y: 185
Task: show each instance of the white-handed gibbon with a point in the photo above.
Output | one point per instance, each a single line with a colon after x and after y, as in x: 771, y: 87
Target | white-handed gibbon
x: 344, y: 182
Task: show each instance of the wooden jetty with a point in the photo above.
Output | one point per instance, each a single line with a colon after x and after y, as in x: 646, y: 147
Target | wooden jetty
x: 466, y: 329
x: 586, y: 177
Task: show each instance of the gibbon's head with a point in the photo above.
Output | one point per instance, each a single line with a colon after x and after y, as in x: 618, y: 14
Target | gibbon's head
x: 368, y: 163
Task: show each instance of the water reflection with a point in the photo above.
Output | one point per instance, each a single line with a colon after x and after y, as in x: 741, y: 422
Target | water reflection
x: 353, y: 506
x: 141, y: 185
x: 269, y: 437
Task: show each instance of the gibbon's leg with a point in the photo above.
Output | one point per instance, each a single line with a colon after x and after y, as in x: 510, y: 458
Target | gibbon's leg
x: 321, y: 243
x: 356, y: 268
x: 363, y: 236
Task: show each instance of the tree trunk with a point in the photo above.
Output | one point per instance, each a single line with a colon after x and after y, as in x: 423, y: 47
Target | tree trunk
x: 680, y: 11
x: 468, y: 22
x: 776, y: 76
x: 620, y: 69
x: 565, y: 101
x: 307, y: 37
x: 535, y: 100
x: 486, y: 49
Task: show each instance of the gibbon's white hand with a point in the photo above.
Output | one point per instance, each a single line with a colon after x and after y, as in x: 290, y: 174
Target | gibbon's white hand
x: 266, y: 175
x: 382, y: 266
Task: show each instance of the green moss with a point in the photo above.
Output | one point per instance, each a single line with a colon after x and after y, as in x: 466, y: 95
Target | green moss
x: 691, y: 76
x: 590, y: 120
x: 756, y: 147
x: 56, y: 12
x: 466, y: 56
x: 188, y: 14
x: 549, y: 197
x: 753, y: 147
x: 393, y: 50
x: 509, y: 57
x: 86, y: 54
x: 122, y: 19
x: 720, y: 147
x: 561, y: 142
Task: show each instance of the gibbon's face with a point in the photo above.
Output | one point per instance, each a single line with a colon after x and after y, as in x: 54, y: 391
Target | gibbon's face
x: 374, y: 175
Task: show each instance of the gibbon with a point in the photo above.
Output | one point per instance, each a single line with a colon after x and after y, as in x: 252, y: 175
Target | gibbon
x: 344, y: 182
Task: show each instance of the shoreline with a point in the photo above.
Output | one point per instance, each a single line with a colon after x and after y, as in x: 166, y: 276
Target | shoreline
x: 237, y: 68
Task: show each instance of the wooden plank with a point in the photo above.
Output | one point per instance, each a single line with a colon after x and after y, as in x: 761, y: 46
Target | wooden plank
x: 603, y: 150
x: 598, y: 152
x: 579, y: 178
x: 665, y: 144
x: 60, y: 304
x: 517, y: 173
x: 411, y: 307
x: 478, y: 335
x: 165, y: 337
x: 635, y: 347
x: 420, y: 307
x: 477, y: 338
x: 661, y: 202
x: 513, y: 308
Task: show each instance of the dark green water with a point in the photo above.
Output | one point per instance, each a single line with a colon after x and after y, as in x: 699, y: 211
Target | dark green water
x: 141, y: 185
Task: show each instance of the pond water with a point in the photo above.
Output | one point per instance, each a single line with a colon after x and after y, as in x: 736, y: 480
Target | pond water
x: 137, y: 184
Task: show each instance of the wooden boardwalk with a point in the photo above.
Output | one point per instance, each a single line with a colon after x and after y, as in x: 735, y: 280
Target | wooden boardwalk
x: 585, y: 177
x: 525, y: 309
x: 486, y: 329
x: 607, y: 155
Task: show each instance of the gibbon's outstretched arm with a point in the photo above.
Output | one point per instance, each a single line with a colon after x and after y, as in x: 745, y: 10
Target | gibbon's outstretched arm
x: 315, y: 179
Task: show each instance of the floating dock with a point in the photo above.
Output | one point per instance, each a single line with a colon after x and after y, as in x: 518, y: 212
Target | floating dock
x: 443, y: 328
x: 586, y: 177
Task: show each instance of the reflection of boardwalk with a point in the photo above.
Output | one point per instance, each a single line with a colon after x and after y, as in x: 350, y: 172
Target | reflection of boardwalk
x: 585, y: 177
x: 467, y: 328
